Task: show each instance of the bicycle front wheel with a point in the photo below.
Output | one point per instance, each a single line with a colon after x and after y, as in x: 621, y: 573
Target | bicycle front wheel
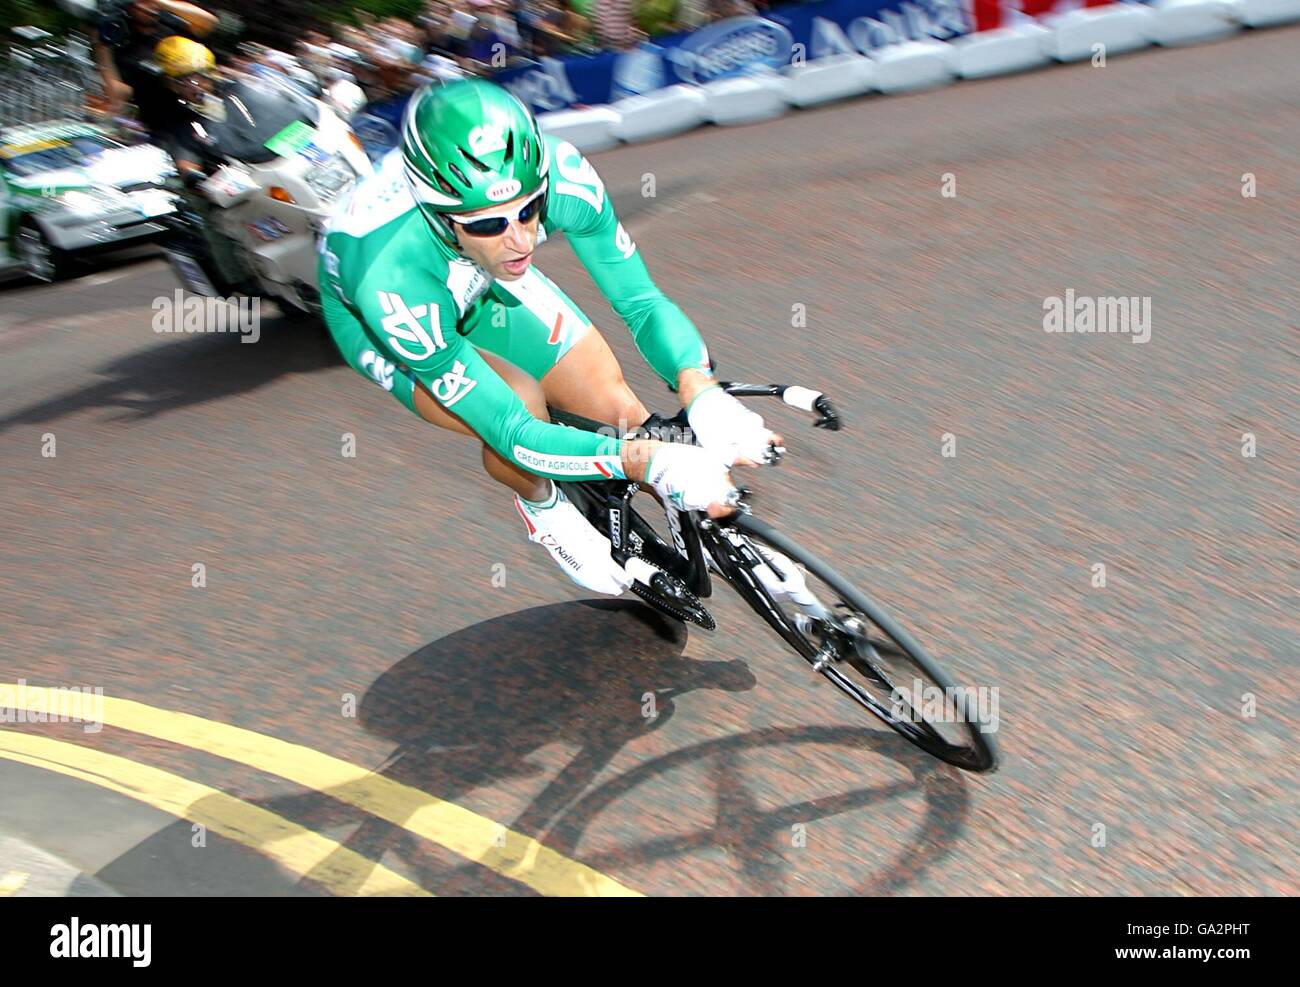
x: 851, y: 641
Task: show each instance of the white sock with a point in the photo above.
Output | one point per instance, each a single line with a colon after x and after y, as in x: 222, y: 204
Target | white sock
x: 541, y: 505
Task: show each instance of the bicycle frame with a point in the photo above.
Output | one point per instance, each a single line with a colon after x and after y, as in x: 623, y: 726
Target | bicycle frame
x: 833, y: 640
x: 608, y: 505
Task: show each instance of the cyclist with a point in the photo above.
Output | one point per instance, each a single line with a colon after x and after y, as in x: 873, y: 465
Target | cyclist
x: 428, y: 288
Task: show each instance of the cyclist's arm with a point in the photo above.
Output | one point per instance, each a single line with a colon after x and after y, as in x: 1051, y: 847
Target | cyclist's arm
x: 664, y: 335
x: 116, y: 91
x: 465, y: 384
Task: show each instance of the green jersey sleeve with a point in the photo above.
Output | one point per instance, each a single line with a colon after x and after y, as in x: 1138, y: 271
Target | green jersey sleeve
x: 579, y: 208
x: 419, y: 330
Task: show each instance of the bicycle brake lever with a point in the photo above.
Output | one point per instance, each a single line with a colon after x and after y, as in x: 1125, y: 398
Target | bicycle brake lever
x: 737, y: 497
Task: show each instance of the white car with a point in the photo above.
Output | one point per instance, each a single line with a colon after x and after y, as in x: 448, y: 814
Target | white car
x: 68, y: 189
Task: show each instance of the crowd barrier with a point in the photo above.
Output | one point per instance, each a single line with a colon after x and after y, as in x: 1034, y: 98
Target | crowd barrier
x: 994, y: 40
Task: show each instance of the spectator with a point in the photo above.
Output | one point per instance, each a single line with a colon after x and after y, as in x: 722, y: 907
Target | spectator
x: 461, y: 23
x: 722, y: 9
x: 502, y: 16
x: 692, y: 14
x: 494, y: 37
x: 574, y: 26
x: 440, y: 37
x: 548, y: 34
x: 124, y: 42
x: 614, y: 24
x: 656, y: 17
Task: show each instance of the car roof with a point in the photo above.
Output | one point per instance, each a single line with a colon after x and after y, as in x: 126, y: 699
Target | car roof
x: 50, y: 130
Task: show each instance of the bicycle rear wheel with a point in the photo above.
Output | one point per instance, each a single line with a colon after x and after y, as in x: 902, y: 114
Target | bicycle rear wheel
x: 851, y: 641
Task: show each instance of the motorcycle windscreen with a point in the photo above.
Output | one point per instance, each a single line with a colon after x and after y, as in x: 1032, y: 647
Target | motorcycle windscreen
x: 262, y: 120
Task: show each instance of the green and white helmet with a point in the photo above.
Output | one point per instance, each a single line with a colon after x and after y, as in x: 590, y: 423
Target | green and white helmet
x: 469, y: 145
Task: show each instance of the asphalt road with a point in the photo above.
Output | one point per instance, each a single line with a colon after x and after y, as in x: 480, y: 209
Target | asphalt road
x: 369, y: 711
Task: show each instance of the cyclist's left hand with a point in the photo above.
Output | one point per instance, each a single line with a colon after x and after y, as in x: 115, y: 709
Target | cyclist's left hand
x: 726, y: 427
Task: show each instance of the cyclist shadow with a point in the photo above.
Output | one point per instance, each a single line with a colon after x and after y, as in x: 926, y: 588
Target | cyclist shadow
x: 467, y: 713
x: 469, y: 710
x: 478, y: 707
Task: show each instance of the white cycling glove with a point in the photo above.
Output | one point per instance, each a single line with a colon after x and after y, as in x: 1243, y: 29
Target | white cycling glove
x: 689, y: 477
x: 727, y: 428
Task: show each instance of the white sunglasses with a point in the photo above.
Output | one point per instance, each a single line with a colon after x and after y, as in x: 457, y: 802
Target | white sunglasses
x: 494, y: 224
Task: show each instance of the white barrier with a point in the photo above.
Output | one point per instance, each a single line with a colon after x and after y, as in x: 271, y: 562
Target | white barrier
x: 746, y: 98
x: 826, y: 79
x: 1186, y: 22
x: 592, y: 129
x: 1266, y: 13
x: 912, y: 65
x: 1117, y: 27
x: 998, y: 52
x: 662, y: 113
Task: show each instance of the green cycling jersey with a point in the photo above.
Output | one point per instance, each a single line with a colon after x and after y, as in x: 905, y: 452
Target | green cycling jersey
x: 397, y: 299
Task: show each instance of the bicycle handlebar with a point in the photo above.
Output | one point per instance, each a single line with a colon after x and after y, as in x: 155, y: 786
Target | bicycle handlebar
x: 803, y: 398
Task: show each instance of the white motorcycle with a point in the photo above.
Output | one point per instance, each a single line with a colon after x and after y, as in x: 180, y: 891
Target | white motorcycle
x: 288, y: 159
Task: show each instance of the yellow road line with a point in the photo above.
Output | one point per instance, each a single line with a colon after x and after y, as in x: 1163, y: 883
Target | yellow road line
x: 12, y: 883
x: 298, y: 850
x: 476, y: 837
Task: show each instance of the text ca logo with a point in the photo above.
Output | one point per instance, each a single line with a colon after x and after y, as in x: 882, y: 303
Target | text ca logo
x: 453, y: 385
x: 486, y: 139
x: 403, y: 325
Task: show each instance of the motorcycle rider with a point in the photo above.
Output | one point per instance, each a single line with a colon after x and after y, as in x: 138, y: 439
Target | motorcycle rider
x: 189, y: 69
x: 125, y: 35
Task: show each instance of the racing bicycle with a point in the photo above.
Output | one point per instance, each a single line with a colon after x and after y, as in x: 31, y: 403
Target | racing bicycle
x: 833, y: 626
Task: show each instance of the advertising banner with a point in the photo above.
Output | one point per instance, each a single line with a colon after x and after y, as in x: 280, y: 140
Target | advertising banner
x: 799, y: 32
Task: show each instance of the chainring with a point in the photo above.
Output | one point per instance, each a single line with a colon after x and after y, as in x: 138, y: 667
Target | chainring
x: 678, y: 602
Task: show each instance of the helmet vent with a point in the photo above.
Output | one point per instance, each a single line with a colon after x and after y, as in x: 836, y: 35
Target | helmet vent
x: 460, y: 175
x: 474, y: 161
x: 444, y: 184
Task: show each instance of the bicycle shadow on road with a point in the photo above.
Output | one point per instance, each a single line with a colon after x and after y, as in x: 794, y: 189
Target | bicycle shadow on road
x: 754, y: 836
x: 182, y: 373
x: 469, y: 710
x: 476, y: 708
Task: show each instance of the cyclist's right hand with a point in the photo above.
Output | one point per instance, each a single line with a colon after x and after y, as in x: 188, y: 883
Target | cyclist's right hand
x: 692, y: 478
